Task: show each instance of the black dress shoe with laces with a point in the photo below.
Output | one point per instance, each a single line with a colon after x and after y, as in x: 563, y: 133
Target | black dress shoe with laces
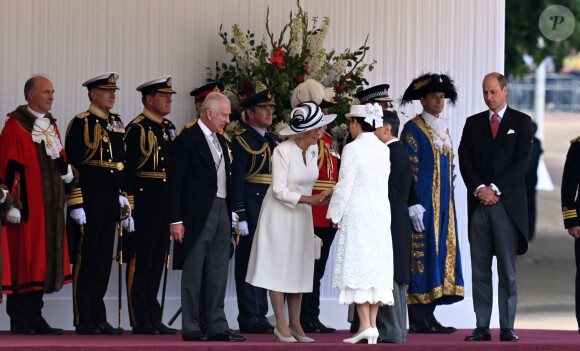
x: 227, y: 335
x: 479, y: 334
x: 439, y: 329
x: 323, y: 329
x: 164, y: 330
x: 309, y: 327
x: 257, y: 328
x: 195, y: 335
x: 508, y: 335
x: 41, y: 327
x: 421, y: 328
x: 87, y: 330
x: 107, y: 329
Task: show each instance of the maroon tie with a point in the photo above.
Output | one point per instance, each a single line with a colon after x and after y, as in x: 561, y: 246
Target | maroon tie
x: 494, y: 124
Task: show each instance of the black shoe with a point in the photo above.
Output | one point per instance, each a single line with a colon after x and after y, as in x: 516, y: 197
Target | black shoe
x: 508, y: 335
x: 107, y: 329
x: 323, y: 329
x: 421, y: 328
x: 21, y: 328
x: 257, y: 328
x: 309, y: 327
x: 479, y: 334
x: 195, y: 335
x: 147, y: 330
x: 165, y: 330
x: 439, y: 329
x: 87, y: 330
x: 41, y: 327
x: 227, y: 335
x: 384, y: 341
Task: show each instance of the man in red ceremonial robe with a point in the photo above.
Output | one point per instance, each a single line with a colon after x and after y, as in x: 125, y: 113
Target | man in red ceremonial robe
x: 33, y: 166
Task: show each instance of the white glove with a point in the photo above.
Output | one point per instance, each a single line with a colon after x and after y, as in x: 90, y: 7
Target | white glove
x: 3, y: 198
x: 78, y: 215
x: 68, y: 177
x: 234, y: 220
x: 13, y: 215
x: 123, y: 201
x: 244, y: 228
x: 129, y: 224
x: 416, y: 214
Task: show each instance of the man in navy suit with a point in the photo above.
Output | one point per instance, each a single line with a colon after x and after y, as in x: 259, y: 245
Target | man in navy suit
x: 493, y: 155
x: 200, y: 215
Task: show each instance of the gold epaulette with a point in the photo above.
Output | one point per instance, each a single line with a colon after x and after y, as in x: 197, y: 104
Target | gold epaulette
x: 137, y: 119
x: 575, y: 140
x: 241, y: 131
x: 76, y: 198
x: 83, y: 114
x: 188, y: 125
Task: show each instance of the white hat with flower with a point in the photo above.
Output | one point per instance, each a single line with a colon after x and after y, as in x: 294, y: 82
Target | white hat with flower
x: 372, y: 114
x: 306, y: 116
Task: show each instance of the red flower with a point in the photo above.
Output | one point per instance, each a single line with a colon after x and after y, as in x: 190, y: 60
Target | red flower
x: 300, y: 78
x: 278, y: 56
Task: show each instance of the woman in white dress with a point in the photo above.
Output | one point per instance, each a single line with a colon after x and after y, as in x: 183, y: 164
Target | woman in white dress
x: 282, y: 256
x: 363, y: 268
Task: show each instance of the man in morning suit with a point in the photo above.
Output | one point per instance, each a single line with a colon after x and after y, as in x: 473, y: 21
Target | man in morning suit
x: 493, y: 155
x: 148, y: 140
x: 392, y: 320
x: 95, y: 146
x: 252, y: 150
x: 200, y: 215
x: 570, y: 206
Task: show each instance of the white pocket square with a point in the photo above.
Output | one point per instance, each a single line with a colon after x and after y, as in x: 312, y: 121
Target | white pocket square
x: 511, y: 131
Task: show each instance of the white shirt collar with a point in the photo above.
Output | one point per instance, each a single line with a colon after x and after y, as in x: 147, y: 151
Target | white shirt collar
x: 391, y: 141
x: 98, y: 112
x: 500, y: 112
x: 152, y: 116
x: 36, y: 114
x: 204, y: 128
x: 260, y: 131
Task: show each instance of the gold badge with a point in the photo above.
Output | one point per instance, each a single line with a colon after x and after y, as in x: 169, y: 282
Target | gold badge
x: 169, y: 82
x: 269, y: 96
x: 216, y: 89
x: 112, y: 79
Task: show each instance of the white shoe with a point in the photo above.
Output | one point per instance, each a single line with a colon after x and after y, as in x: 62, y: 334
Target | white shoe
x: 367, y: 334
x: 375, y: 336
x: 301, y: 338
x: 281, y: 338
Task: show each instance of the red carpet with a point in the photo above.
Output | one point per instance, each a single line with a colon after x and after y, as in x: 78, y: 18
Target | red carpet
x: 529, y: 340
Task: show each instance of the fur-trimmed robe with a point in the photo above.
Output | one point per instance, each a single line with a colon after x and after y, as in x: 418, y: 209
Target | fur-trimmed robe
x: 37, y: 245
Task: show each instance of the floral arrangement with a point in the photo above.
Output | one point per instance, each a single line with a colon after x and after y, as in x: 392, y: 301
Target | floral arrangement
x: 282, y: 63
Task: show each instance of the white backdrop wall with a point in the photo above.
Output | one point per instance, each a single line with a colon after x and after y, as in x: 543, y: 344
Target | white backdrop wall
x: 70, y: 41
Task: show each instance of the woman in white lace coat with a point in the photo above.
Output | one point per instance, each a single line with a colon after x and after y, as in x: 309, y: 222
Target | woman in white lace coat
x: 282, y: 256
x: 363, y: 269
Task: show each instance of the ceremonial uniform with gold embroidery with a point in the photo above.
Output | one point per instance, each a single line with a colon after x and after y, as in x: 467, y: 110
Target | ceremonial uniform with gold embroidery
x: 148, y: 140
x: 94, y: 145
x: 436, y: 275
x: 251, y: 177
x: 571, y: 204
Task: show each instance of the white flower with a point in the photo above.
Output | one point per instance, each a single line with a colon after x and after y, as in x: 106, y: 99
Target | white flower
x: 279, y: 126
x: 330, y: 93
x: 296, y: 36
x: 314, y: 41
x: 259, y: 86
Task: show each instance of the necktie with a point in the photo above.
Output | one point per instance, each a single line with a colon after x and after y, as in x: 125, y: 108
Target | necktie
x: 495, y: 121
x: 216, y: 142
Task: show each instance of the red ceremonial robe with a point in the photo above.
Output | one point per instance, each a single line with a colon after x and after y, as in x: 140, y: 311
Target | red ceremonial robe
x: 37, y: 245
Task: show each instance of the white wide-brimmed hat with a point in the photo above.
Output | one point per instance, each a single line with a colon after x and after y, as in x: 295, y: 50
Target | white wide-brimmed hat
x: 306, y: 116
x: 370, y: 113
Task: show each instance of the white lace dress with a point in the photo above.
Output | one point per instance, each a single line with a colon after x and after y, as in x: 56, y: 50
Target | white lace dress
x: 363, y: 267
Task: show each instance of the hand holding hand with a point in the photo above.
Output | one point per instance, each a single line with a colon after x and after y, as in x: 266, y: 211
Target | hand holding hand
x: 78, y: 215
x: 326, y: 194
x: 487, y: 196
x: 176, y: 230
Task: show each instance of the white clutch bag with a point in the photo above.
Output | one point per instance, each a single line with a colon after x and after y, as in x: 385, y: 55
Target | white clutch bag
x: 317, y: 247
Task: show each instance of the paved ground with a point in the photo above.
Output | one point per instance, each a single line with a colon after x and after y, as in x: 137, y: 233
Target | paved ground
x: 546, y: 272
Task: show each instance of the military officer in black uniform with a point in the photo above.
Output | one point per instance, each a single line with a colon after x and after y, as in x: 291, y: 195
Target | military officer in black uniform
x: 200, y: 93
x: 148, y: 139
x: 95, y: 147
x: 570, y: 207
x: 251, y: 176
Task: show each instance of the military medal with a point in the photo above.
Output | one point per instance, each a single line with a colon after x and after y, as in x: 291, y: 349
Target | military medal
x: 165, y: 136
x: 109, y: 127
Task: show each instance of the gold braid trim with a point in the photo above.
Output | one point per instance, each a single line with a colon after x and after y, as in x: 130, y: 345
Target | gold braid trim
x: 152, y: 141
x: 98, y: 138
x: 265, y: 149
x: 324, y: 152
